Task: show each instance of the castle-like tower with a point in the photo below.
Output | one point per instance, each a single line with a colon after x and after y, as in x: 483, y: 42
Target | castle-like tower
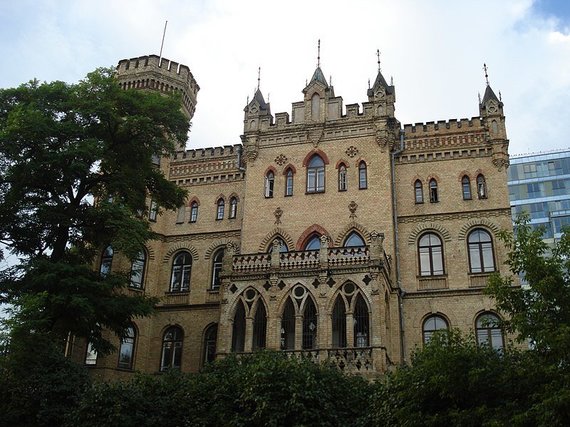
x: 334, y: 232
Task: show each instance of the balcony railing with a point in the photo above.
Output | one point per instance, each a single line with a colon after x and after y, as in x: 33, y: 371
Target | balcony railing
x: 297, y: 260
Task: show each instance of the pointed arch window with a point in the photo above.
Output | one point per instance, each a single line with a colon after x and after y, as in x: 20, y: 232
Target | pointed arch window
x: 309, y: 325
x: 259, y: 326
x: 481, y: 259
x: 339, y: 323
x: 210, y: 339
x: 431, y: 325
x: 137, y: 270
x: 466, y: 188
x: 430, y: 253
x: 106, y: 261
x: 217, y: 269
x: 221, y: 205
x: 342, y: 178
x: 238, y: 329
x: 180, y: 275
x: 481, y: 187
x: 433, y: 196
x: 354, y: 239
x: 314, y: 243
x: 288, y: 326
x: 316, y: 175
x: 233, y: 207
x: 269, y: 184
x: 489, y: 331
x: 289, y: 183
x: 362, y: 175
x: 282, y: 245
x: 419, y: 191
x: 127, y: 349
x: 171, y: 356
x: 361, y: 323
x: 194, y: 212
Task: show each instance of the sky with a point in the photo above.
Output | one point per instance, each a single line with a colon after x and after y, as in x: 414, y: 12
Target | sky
x: 433, y: 49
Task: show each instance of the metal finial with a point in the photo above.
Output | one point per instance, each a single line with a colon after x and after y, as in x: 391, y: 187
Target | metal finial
x: 330, y: 80
x: 378, y: 55
x: 486, y: 74
x: 479, y: 95
x: 162, y: 44
x: 391, y: 80
x: 268, y: 97
x: 247, y: 102
x: 319, y: 53
x: 500, y: 97
x: 258, y: 76
x: 368, y: 83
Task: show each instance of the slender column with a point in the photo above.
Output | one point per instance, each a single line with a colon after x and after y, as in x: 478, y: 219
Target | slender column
x: 298, y: 332
x: 248, y: 346
x: 349, y: 329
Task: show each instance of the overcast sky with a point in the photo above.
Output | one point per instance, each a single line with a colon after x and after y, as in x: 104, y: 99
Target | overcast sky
x: 434, y: 50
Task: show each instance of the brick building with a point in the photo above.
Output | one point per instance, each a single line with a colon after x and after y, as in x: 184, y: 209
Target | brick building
x: 336, y: 232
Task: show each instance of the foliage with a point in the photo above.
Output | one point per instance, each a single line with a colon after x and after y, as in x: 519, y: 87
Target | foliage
x: 539, y: 311
x: 265, y: 389
x: 76, y: 175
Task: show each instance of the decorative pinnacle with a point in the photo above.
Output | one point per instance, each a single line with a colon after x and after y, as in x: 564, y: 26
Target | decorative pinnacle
x: 378, y: 55
x: 319, y: 53
x: 258, y: 76
x: 368, y: 83
x: 330, y: 80
x: 486, y: 74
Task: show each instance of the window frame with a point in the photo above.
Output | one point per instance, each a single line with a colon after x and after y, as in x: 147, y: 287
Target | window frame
x: 193, y: 212
x: 177, y: 343
x: 220, y: 209
x: 217, y: 264
x: 269, y: 187
x: 129, y: 342
x: 418, y: 192
x: 316, y: 174
x: 477, y: 248
x: 485, y: 333
x: 433, y: 191
x: 185, y: 273
x: 428, y: 333
x: 431, y: 254
x: 342, y: 178
x: 140, y: 260
x: 362, y: 175
x: 233, y: 207
x: 106, y: 261
x: 481, y: 186
x: 289, y: 180
x: 153, y: 210
x: 466, y: 188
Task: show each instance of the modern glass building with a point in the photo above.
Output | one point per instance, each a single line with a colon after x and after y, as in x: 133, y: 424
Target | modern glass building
x: 540, y: 185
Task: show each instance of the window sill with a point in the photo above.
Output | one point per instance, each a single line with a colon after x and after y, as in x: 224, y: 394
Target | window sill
x: 135, y: 289
x: 315, y: 192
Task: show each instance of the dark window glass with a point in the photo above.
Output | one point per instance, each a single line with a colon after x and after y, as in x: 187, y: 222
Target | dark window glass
x: 269, y: 184
x: 259, y: 326
x: 361, y: 323
x: 217, y: 269
x: 171, y: 356
x: 127, y: 349
x: 137, y: 270
x: 342, y: 180
x: 362, y: 178
x: 309, y: 325
x: 316, y: 175
x: 339, y: 323
x: 481, y: 187
x: 289, y: 183
x: 220, y: 210
x: 233, y: 207
x: 288, y: 326
x: 430, y: 252
x: 354, y: 239
x: 314, y: 243
x: 433, y: 196
x: 181, y: 269
x: 210, y: 339
x: 432, y: 324
x: 466, y: 188
x: 238, y: 330
x: 419, y: 191
x: 106, y: 261
x: 194, y: 212
x: 489, y: 332
x: 481, y: 258
x: 153, y: 211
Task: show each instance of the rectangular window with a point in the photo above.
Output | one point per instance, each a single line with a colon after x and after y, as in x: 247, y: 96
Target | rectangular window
x: 153, y: 211
x: 90, y: 355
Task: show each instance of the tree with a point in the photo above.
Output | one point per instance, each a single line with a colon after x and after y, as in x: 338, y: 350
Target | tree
x: 76, y: 175
x: 538, y: 311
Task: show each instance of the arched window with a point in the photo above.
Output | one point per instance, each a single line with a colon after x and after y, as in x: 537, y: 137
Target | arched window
x: 259, y: 326
x: 289, y: 183
x: 362, y: 176
x: 316, y: 175
x: 315, y: 106
x: 466, y: 188
x: 137, y: 270
x: 181, y: 269
x: 106, y: 261
x: 342, y: 180
x: 194, y: 212
x: 430, y: 253
x: 153, y: 211
x: 431, y: 324
x: 339, y: 323
x: 127, y: 349
x: 269, y: 184
x: 282, y: 245
x: 217, y: 268
x: 238, y: 330
x: 480, y: 245
x: 354, y: 239
x: 171, y: 357
x: 288, y: 326
x: 233, y: 207
x: 221, y: 208
x: 210, y: 339
x: 309, y: 325
x: 314, y: 243
x: 433, y: 196
x: 488, y: 331
x: 481, y: 187
x: 419, y: 191
x: 361, y: 323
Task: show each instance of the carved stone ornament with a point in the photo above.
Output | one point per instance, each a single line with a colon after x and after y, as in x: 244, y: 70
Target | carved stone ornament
x: 315, y: 135
x: 501, y: 163
x: 281, y: 159
x: 251, y: 152
x: 351, y: 151
x: 278, y: 212
x: 352, y: 206
x: 382, y: 137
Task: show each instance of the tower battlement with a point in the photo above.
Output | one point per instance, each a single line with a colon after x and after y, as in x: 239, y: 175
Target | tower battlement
x: 153, y: 73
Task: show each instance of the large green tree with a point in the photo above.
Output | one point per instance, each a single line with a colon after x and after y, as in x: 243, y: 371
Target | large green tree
x: 77, y: 175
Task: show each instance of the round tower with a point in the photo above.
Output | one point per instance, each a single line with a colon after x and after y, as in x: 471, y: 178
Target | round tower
x: 155, y: 73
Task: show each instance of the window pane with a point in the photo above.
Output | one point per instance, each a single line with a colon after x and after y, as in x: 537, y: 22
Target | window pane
x: 437, y: 261
x: 488, y: 261
x: 475, y: 259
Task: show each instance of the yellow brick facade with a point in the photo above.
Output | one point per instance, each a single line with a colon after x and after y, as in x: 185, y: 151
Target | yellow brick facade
x: 369, y: 302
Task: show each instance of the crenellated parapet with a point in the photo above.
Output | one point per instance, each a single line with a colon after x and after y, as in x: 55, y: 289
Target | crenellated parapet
x: 206, y: 165
x: 150, y: 72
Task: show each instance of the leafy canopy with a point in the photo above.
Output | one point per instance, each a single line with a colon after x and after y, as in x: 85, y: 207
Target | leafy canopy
x: 76, y: 175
